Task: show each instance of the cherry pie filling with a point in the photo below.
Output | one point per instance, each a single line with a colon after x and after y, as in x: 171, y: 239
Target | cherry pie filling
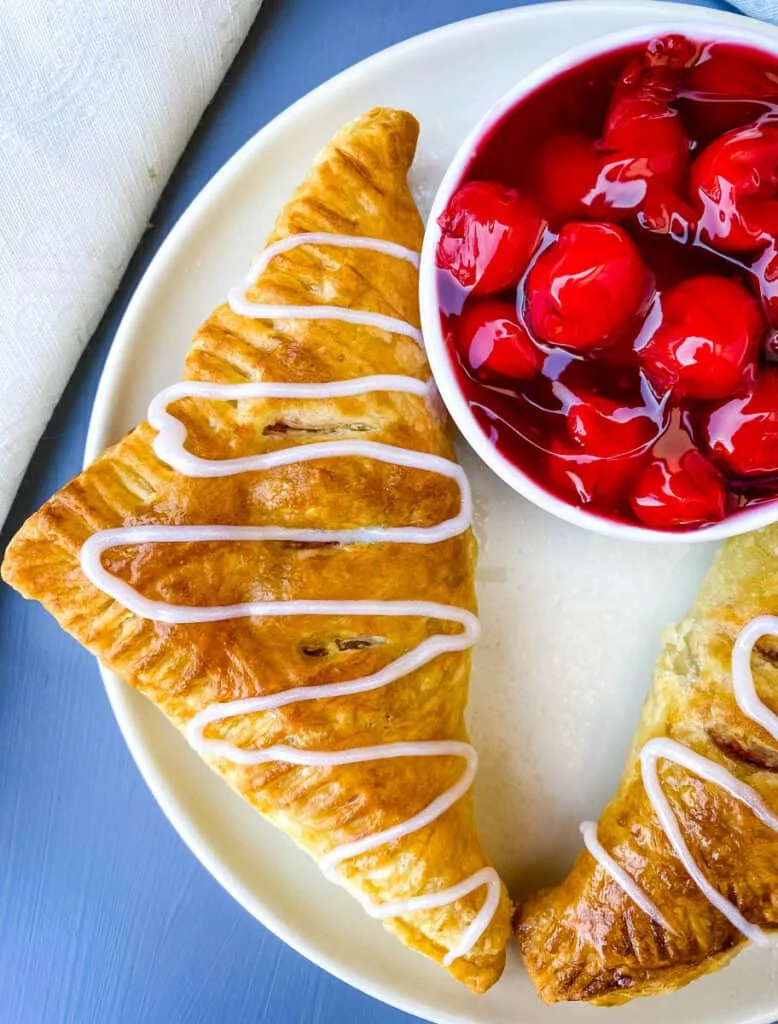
x: 608, y: 283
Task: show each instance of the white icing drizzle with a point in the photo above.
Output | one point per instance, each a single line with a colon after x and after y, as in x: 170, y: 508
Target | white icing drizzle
x: 169, y: 446
x: 742, y: 677
x: 263, y: 311
x: 663, y: 748
x: 618, y: 874
x: 170, y: 440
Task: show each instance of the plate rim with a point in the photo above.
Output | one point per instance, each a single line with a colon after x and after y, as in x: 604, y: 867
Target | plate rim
x: 97, y: 440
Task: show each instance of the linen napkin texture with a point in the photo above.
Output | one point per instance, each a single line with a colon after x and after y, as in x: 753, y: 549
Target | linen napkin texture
x: 98, y: 99
x: 767, y: 10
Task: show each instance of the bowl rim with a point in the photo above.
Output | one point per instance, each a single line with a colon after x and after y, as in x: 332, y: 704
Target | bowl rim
x: 743, y: 521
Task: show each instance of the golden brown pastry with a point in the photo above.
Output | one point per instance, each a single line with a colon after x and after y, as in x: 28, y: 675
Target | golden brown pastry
x: 587, y: 938
x: 249, y: 563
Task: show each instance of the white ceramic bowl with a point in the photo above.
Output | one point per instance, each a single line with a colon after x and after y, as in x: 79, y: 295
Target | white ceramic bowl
x: 440, y: 359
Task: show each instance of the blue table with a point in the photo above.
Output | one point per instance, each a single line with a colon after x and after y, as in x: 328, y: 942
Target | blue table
x: 105, y: 916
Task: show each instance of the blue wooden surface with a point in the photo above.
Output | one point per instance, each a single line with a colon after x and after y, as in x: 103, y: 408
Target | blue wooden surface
x: 104, y: 914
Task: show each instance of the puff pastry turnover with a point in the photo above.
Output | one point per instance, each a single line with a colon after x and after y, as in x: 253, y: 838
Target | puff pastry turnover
x: 703, y: 769
x: 341, y: 624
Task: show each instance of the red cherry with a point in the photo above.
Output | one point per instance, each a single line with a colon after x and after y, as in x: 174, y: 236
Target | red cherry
x: 584, y: 480
x: 742, y: 434
x: 644, y: 142
x: 644, y: 148
x: 489, y: 233
x: 661, y: 69
x: 733, y: 76
x: 743, y: 82
x: 765, y: 270
x: 665, y: 212
x: 493, y: 343
x: 670, y: 55
x: 566, y: 173
x: 604, y: 427
x: 671, y: 494
x: 709, y: 336
x: 656, y: 75
x: 647, y: 137
x: 585, y: 286
x: 734, y: 182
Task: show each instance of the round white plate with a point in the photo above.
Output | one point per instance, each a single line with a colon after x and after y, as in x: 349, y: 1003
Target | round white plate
x: 571, y: 621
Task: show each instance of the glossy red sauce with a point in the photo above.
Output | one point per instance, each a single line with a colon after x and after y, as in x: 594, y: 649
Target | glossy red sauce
x: 608, y: 283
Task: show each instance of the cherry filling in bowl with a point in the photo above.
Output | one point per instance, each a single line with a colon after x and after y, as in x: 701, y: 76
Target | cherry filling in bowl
x: 607, y: 278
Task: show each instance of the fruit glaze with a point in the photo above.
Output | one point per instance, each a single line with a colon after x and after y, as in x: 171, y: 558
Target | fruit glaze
x: 607, y: 279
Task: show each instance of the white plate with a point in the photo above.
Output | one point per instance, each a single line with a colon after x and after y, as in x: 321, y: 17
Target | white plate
x: 571, y: 620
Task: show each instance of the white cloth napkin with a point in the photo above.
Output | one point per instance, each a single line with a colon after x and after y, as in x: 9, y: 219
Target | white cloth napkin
x: 765, y: 9
x: 97, y: 101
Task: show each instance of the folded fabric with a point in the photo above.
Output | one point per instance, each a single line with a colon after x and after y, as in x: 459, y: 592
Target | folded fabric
x: 765, y: 9
x: 97, y: 102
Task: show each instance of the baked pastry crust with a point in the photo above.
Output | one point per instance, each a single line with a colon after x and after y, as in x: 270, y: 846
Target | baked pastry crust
x: 357, y: 186
x: 586, y: 939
